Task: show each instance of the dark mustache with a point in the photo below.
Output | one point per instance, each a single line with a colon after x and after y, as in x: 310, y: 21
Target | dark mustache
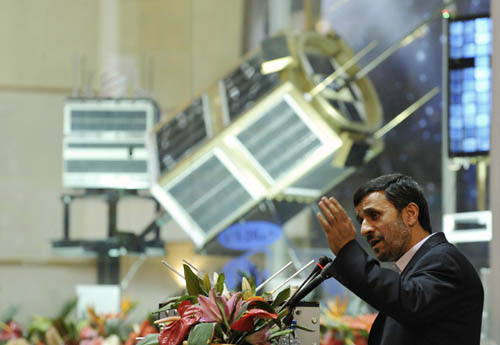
x: 370, y: 238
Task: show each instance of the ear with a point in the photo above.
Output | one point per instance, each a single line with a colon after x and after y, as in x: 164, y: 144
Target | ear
x: 411, y: 212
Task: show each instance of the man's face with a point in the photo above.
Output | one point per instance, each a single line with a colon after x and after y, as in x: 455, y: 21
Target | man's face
x: 383, y: 227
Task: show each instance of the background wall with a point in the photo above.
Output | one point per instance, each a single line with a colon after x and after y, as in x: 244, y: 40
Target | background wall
x: 52, y: 49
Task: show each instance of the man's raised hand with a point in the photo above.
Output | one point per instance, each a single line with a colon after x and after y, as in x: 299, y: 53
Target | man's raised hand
x: 337, y: 225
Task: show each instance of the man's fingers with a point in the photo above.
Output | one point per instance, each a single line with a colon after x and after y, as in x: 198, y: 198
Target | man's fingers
x: 336, y: 204
x: 322, y: 221
x: 323, y: 205
x: 337, y: 225
x: 330, y: 232
x: 332, y: 209
x: 337, y: 209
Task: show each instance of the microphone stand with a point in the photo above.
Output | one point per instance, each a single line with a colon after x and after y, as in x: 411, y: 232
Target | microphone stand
x: 303, y: 292
x: 322, y: 261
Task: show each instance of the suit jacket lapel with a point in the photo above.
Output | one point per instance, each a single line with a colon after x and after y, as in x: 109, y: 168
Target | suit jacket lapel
x: 432, y: 241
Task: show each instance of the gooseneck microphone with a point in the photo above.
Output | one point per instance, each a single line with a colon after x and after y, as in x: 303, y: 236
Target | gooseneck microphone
x: 322, y: 261
x: 319, y: 274
x: 326, y: 273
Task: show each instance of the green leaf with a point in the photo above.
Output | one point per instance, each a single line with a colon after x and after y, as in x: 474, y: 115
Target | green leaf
x: 262, y: 305
x: 246, y: 288
x: 282, y: 296
x: 220, y: 283
x: 201, y: 333
x: 254, y: 287
x: 9, y: 314
x: 193, y: 283
x: 282, y: 314
x: 363, y: 333
x: 221, y: 306
x: 38, y: 327
x: 218, y: 332
x: 304, y: 328
x: 74, y: 335
x: 175, y: 301
x: 149, y: 339
x: 167, y: 303
x: 280, y: 333
x: 66, y: 309
x: 267, y: 296
x: 206, y: 282
x: 243, y: 309
x: 40, y: 323
x: 118, y: 326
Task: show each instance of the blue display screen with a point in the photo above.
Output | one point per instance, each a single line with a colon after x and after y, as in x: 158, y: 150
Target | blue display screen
x: 251, y: 235
x: 469, y: 86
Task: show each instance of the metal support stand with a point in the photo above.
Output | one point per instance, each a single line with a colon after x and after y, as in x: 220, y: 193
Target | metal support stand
x: 108, y: 269
x: 118, y: 243
x: 66, y: 200
x: 112, y: 200
x: 481, y: 175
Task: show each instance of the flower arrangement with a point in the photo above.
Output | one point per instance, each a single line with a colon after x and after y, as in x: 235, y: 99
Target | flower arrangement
x: 210, y: 314
x: 96, y: 329
x: 10, y: 331
x: 341, y: 329
x: 109, y: 328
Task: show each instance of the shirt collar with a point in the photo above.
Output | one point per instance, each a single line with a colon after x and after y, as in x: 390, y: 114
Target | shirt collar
x: 405, y: 259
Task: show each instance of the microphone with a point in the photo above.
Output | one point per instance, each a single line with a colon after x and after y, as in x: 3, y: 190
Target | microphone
x: 326, y: 273
x: 322, y: 261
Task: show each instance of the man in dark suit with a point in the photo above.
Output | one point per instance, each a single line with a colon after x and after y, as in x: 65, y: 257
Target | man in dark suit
x: 433, y: 296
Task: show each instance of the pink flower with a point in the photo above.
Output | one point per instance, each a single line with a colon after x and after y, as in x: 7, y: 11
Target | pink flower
x: 211, y: 311
x: 260, y: 337
x: 88, y: 332
x: 233, y: 307
x: 92, y: 341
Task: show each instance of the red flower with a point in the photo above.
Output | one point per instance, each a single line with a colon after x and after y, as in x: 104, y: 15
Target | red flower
x: 359, y: 340
x: 12, y: 331
x: 260, y: 337
x: 146, y: 328
x: 329, y: 338
x: 253, y: 299
x: 245, y: 322
x: 175, y: 332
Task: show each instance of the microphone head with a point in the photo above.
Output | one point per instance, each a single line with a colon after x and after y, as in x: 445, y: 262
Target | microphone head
x: 323, y: 260
x: 320, y: 265
x: 327, y: 272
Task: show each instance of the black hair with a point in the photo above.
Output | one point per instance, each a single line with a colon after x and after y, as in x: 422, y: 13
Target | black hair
x: 400, y: 190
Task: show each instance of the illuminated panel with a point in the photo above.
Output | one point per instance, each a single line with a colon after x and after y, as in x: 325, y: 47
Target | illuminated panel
x: 103, y: 144
x: 243, y: 87
x: 182, y: 135
x: 279, y: 140
x: 210, y: 194
x: 469, y: 85
x: 108, y: 120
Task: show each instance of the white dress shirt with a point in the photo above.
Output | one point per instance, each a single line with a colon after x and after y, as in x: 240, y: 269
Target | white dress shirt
x: 405, y: 259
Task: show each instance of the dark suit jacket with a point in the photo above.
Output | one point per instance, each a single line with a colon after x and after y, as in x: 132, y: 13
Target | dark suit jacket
x: 437, y: 299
